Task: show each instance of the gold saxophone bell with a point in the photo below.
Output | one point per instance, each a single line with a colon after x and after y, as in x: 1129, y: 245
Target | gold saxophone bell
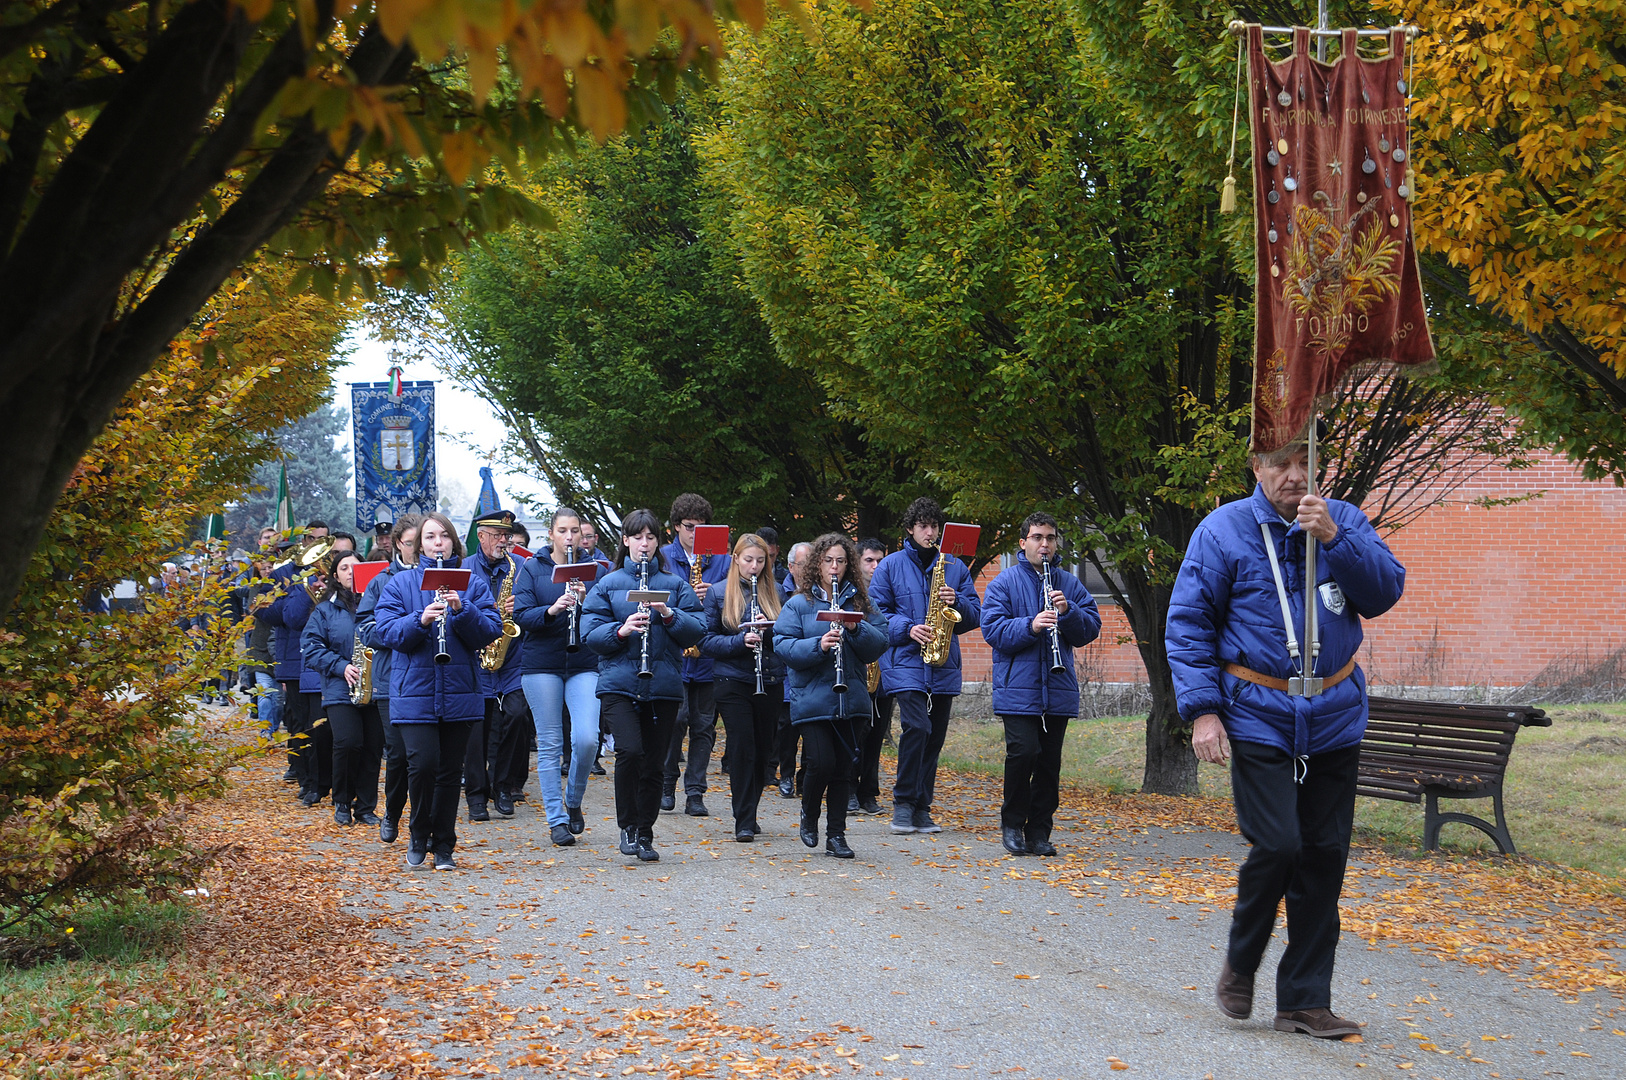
x: 940, y: 618
x: 494, y: 655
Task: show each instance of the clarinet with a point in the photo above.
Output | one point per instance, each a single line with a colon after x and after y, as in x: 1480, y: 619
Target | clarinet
x: 441, y: 655
x: 573, y: 640
x: 757, y: 648
x: 841, y: 674
x: 1050, y: 605
x: 643, y: 645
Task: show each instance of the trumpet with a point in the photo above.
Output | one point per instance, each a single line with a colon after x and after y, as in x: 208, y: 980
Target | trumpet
x: 835, y: 605
x: 441, y: 655
x: 573, y: 638
x: 644, y: 671
x: 1050, y: 605
x: 757, y: 648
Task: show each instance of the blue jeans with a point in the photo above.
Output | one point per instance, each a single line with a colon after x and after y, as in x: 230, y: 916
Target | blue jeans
x: 270, y: 696
x: 548, y: 695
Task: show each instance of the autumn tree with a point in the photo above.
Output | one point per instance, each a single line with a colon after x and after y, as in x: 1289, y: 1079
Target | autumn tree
x: 152, y: 149
x: 315, y: 450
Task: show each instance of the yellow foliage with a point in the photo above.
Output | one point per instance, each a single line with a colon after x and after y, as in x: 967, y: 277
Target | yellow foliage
x: 1518, y: 142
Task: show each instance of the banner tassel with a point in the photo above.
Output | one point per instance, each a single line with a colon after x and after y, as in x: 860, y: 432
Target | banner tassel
x: 1228, y: 192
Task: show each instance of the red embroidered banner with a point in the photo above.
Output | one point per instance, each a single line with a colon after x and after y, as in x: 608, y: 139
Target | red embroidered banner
x: 1338, y: 287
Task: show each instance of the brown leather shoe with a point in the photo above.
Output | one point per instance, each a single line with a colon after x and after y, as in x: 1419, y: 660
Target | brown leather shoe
x: 1318, y: 1022
x: 1234, y: 993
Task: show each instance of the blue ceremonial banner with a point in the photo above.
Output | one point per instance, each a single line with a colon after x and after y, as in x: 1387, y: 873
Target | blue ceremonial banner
x: 395, y: 450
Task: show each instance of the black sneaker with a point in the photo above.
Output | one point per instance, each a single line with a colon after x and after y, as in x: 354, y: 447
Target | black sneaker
x: 852, y: 804
x: 290, y: 776
x: 416, y: 860
x: 562, y: 836
x: 504, y: 807
x: 743, y: 834
x: 787, y: 789
x: 577, y: 822
x: 629, y: 842
x: 479, y: 813
x: 517, y: 796
x: 598, y: 769
x: 870, y: 806
x: 310, y: 798
x: 903, y: 819
x: 809, y: 831
x: 342, y: 816
x: 923, y: 822
x: 696, y: 807
x: 367, y: 817
x: 444, y: 861
x: 668, y: 800
x: 388, y: 830
x: 1040, y: 844
x: 646, y: 849
x: 836, y: 845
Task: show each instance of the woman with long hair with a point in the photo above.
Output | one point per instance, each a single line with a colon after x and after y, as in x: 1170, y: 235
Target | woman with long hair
x: 435, y: 704
x: 558, y: 672
x: 640, y: 676
x: 328, y: 643
x: 741, y: 653
x: 824, y: 711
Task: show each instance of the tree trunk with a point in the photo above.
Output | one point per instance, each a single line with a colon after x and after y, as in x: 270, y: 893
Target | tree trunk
x: 1171, y: 765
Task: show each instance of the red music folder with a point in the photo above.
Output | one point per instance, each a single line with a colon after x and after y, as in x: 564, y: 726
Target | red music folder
x: 845, y: 618
x: 365, y: 572
x: 959, y: 539
x: 520, y: 553
x: 582, y: 571
x: 711, y: 539
x: 455, y: 578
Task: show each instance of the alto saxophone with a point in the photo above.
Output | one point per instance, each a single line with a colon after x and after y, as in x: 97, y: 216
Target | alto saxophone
x: 493, y: 655
x: 362, y: 656
x: 694, y: 583
x: 940, y: 617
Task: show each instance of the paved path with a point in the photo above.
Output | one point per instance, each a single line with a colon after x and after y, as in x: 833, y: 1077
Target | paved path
x: 930, y: 956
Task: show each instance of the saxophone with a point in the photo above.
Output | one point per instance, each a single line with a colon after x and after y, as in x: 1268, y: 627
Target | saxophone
x: 940, y: 617
x: 694, y: 583
x: 362, y: 656
x: 495, y: 654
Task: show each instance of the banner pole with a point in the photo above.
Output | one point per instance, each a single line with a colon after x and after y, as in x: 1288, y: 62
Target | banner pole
x: 1312, y: 641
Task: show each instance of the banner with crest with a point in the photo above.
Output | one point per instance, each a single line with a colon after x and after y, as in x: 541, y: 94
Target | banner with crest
x: 394, y: 437
x: 1338, y: 285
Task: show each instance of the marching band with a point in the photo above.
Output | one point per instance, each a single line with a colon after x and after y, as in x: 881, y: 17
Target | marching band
x: 439, y: 665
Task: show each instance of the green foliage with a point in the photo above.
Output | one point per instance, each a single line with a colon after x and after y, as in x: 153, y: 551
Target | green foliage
x: 631, y: 364
x: 318, y: 477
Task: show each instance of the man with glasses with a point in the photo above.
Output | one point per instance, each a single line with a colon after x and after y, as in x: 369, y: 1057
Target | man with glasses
x: 697, y: 712
x: 495, y: 741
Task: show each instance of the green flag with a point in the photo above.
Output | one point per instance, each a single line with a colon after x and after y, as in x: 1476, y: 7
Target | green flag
x: 285, y: 505
x: 215, y: 529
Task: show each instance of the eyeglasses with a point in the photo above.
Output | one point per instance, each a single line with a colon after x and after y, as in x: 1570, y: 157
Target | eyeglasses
x: 690, y: 526
x: 833, y: 560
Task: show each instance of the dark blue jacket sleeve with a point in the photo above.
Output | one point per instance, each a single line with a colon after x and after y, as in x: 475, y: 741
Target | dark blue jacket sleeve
x: 478, y: 623
x: 883, y: 593
x: 397, y: 625
x: 1197, y: 610
x: 1362, y: 564
x: 791, y: 646
x: 718, y: 642
x: 318, y: 654
x: 599, y: 623
x: 687, y: 626
x: 1005, y: 625
x: 1082, y: 622
x: 530, y: 610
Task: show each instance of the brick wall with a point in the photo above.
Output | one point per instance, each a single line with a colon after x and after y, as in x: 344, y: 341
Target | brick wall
x: 1493, y: 594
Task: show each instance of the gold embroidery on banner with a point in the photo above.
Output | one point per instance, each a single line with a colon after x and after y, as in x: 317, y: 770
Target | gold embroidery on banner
x: 1338, y: 269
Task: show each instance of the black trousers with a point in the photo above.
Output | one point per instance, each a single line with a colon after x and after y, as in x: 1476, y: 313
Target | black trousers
x: 1300, y: 837
x: 495, y: 740
x: 1032, y: 773
x: 924, y: 719
x: 828, y: 747
x: 434, y: 773
x: 310, y: 744
x: 789, y: 735
x: 697, y: 718
x: 642, y: 730
x: 358, y: 748
x: 751, y: 721
x: 868, y: 783
x: 395, y: 764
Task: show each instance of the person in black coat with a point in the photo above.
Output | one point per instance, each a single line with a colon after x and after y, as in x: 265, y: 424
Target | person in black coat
x: 328, y: 642
x: 827, y: 712
x: 750, y: 717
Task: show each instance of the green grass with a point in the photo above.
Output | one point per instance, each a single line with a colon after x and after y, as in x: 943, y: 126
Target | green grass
x: 1565, y: 797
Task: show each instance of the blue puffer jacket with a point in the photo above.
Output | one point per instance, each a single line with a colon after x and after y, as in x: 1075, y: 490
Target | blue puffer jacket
x: 810, y: 685
x: 607, y: 608
x: 287, y: 614
x: 542, y: 649
x: 713, y: 570
x: 1225, y: 610
x: 898, y: 590
x: 422, y: 691
x: 1024, y: 685
x: 733, y: 658
x: 367, y: 625
x: 328, y: 640
x: 506, y: 678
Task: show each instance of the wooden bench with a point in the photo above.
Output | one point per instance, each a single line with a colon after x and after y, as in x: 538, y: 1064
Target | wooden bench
x: 1417, y: 750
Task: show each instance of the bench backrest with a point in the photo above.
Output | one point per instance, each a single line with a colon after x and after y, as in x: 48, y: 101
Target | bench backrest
x: 1443, y: 739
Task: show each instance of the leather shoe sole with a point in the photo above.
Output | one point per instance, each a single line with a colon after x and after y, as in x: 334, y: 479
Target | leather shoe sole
x: 1320, y: 1023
